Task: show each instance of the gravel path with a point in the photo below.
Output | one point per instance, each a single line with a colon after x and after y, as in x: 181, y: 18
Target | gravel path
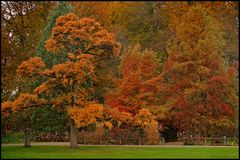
x: 67, y: 144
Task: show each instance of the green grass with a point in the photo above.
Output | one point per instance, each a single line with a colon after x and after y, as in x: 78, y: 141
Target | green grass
x: 118, y: 152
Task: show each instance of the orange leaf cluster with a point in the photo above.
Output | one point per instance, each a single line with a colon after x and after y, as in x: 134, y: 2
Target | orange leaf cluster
x: 31, y: 67
x: 87, y: 115
x: 144, y: 118
x: 118, y: 116
x: 25, y: 100
x: 67, y: 72
x: 85, y: 34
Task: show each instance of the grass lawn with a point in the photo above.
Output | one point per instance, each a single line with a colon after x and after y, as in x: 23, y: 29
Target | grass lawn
x: 118, y: 152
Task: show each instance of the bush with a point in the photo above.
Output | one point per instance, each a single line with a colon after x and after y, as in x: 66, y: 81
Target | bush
x: 13, y: 138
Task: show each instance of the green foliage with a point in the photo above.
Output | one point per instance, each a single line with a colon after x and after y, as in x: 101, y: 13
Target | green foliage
x: 50, y: 60
x: 13, y: 138
x: 46, y: 119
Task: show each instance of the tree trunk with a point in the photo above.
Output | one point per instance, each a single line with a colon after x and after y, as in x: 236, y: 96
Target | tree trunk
x: 27, y: 137
x: 73, y: 135
x: 73, y: 129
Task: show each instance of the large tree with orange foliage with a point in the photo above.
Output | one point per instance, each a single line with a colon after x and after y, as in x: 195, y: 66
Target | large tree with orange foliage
x: 81, y: 41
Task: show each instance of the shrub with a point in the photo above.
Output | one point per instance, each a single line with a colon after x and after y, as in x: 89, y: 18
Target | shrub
x: 13, y: 138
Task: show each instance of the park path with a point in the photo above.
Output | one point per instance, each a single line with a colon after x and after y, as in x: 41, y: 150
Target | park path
x: 67, y: 144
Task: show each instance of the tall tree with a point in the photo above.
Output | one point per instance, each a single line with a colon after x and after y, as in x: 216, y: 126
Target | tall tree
x: 198, y: 84
x: 81, y: 40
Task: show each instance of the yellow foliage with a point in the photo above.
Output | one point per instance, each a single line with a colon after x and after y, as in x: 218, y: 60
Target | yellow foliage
x: 202, y: 70
x: 120, y: 117
x: 151, y: 132
x: 144, y: 118
x: 146, y: 121
x: 95, y: 110
x: 88, y: 115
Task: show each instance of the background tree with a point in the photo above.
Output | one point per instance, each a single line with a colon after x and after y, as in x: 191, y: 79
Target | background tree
x: 135, y: 89
x: 196, y: 78
x: 22, y: 23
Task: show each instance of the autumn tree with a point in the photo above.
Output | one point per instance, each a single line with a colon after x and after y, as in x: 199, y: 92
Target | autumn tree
x: 227, y: 13
x: 137, y: 88
x: 65, y: 83
x: 198, y: 84
x: 87, y: 39
x: 137, y: 91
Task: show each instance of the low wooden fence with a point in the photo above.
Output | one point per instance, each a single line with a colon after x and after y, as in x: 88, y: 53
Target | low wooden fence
x: 136, y: 141
x: 145, y: 141
x: 210, y: 141
x: 122, y: 141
